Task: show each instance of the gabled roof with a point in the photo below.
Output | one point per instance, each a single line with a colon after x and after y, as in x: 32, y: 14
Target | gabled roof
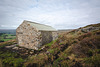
x: 40, y: 27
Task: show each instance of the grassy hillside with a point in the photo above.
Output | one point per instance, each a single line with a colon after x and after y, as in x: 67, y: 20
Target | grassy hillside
x: 77, y: 48
x: 6, y: 37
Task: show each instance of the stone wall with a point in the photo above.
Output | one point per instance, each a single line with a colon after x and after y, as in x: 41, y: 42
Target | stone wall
x: 46, y: 37
x: 54, y: 35
x: 28, y: 36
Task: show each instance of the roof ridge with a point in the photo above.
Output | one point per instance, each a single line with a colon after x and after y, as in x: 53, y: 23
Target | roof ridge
x: 36, y: 23
x: 40, y: 27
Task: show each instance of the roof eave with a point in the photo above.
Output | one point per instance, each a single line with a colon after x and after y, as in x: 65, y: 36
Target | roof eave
x: 48, y: 30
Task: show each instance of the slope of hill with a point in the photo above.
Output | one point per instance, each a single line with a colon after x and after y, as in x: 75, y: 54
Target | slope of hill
x: 77, y: 48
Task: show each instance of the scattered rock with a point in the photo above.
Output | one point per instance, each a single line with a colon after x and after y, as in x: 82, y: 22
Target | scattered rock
x: 11, y: 46
x: 47, y: 52
x: 31, y: 52
x: 43, y: 47
x: 15, y: 48
x: 35, y: 54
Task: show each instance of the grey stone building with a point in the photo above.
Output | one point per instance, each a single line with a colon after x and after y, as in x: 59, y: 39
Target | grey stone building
x: 33, y: 35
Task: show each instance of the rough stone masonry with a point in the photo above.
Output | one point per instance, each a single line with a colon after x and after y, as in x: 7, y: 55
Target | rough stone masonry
x: 33, y: 35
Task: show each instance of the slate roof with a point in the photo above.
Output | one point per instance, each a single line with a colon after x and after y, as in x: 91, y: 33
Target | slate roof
x: 40, y: 27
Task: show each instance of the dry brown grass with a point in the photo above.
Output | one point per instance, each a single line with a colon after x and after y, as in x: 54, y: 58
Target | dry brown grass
x: 10, y: 41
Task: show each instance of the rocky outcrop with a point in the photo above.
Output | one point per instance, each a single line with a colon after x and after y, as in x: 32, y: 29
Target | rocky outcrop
x: 91, y: 28
x: 87, y: 29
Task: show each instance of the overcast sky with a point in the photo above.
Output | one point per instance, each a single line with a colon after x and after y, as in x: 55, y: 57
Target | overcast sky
x: 60, y: 14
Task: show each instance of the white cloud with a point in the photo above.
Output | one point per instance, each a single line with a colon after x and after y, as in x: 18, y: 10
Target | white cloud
x: 9, y: 26
x: 61, y: 14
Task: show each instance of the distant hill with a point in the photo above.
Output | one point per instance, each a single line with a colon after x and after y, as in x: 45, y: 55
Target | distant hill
x: 8, y: 31
x: 60, y: 31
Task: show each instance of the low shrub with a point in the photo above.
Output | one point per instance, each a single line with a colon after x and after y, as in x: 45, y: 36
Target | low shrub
x: 13, y: 62
x: 93, y: 61
x: 91, y: 42
x: 39, y: 60
x: 90, y: 53
x: 1, y: 63
x: 56, y: 63
x: 84, y: 35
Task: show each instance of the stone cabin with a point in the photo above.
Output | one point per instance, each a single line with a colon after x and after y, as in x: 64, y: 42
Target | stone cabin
x: 33, y: 35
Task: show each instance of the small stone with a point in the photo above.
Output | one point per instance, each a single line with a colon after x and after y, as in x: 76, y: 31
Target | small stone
x: 47, y: 52
x: 31, y: 52
x: 16, y: 48
x: 43, y: 47
x: 35, y: 54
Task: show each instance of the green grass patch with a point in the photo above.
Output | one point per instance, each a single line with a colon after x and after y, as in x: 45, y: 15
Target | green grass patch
x: 6, y: 37
x: 52, y: 42
x: 51, y: 51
